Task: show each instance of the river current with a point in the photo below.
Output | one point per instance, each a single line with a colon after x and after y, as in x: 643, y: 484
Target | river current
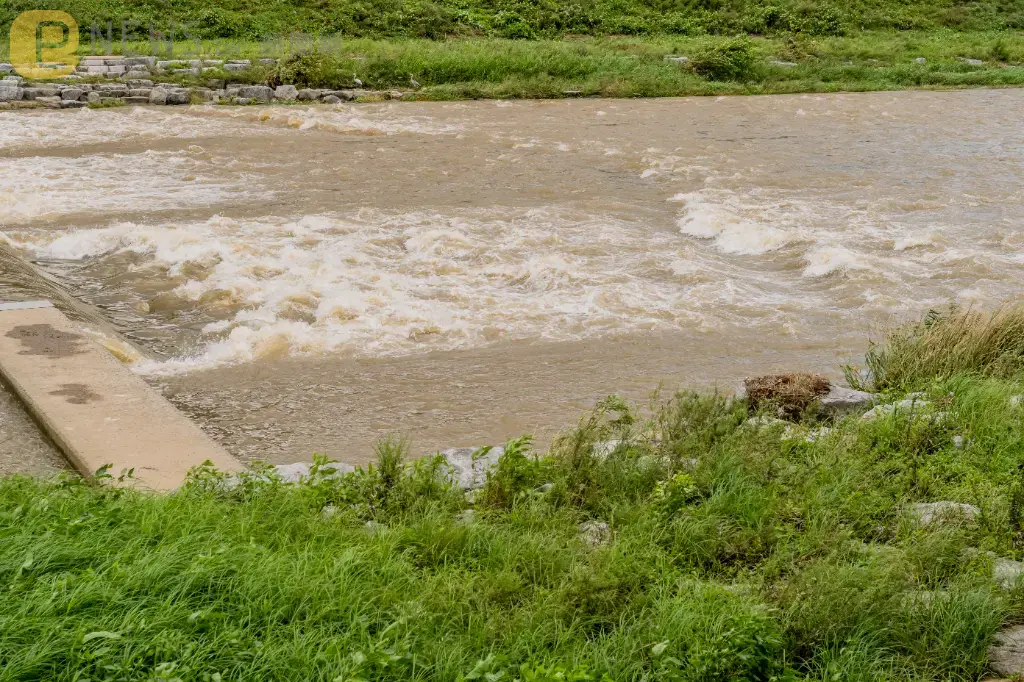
x: 308, y: 279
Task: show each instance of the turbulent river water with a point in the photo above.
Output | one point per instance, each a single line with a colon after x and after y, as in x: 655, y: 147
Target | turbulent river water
x: 307, y: 280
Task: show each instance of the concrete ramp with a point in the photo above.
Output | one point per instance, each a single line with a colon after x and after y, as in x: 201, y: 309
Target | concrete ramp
x: 94, y: 408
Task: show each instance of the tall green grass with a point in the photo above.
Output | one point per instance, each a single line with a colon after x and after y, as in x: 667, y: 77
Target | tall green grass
x: 735, y: 550
x: 947, y: 344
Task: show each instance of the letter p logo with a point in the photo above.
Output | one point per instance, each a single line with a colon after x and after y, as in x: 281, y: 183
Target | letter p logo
x: 41, y: 37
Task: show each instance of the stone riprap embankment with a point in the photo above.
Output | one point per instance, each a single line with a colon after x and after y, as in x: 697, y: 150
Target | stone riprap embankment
x: 111, y: 81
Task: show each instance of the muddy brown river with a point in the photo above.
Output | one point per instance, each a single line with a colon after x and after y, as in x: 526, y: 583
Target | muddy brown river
x: 309, y: 279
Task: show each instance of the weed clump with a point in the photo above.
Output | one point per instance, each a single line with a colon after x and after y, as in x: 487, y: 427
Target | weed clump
x: 790, y: 394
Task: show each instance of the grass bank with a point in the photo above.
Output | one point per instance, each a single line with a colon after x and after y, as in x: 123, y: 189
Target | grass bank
x: 545, y: 48
x: 480, y: 67
x: 637, y: 67
x: 624, y: 66
x: 734, y: 549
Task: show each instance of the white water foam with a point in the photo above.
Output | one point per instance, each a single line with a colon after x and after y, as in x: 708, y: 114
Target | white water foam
x: 913, y: 241
x: 379, y: 284
x: 828, y: 260
x: 831, y: 238
x: 720, y: 215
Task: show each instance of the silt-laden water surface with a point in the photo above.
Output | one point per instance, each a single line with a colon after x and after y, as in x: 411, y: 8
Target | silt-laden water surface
x: 308, y: 279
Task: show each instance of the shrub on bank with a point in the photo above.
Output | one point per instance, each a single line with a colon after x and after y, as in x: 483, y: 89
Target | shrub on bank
x: 732, y: 60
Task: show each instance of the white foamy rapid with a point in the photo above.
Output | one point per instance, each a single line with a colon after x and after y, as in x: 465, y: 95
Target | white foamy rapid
x: 721, y: 216
x: 378, y: 284
x: 829, y: 237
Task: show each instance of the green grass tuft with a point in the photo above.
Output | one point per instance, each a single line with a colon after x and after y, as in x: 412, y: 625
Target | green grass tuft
x: 942, y: 345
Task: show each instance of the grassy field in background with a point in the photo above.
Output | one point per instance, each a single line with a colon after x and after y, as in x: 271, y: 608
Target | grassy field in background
x: 736, y: 549
x: 529, y: 19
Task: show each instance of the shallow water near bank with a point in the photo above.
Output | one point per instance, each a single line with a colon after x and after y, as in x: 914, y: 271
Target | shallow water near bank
x: 308, y: 279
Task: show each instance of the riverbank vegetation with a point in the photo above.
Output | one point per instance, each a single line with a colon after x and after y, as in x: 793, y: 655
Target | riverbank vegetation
x: 655, y: 63
x: 619, y: 66
x: 651, y: 67
x: 690, y: 540
x: 616, y: 48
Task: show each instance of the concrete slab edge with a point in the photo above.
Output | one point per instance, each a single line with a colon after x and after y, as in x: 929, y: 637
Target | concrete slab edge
x: 161, y: 445
x: 24, y: 305
x: 38, y: 416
